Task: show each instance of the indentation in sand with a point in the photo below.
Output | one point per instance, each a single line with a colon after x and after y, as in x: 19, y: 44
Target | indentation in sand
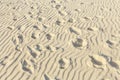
x: 34, y: 53
x: 18, y: 39
x: 51, y: 48
x: 75, y: 30
x: 27, y: 66
x: 115, y: 64
x: 98, y: 61
x: 80, y: 43
x: 63, y: 63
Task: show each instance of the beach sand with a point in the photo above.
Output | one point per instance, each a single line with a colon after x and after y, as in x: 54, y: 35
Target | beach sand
x: 59, y: 40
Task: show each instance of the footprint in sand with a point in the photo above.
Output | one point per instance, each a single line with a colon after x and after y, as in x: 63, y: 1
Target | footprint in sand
x: 33, y: 52
x: 71, y: 20
x: 18, y: 39
x: 39, y: 47
x: 27, y: 66
x: 35, y: 34
x: 98, y: 61
x: 108, y: 58
x: 21, y: 27
x: 59, y: 22
x: 34, y: 62
x: 63, y: 63
x: 79, y: 43
x: 111, y: 43
x: 50, y: 36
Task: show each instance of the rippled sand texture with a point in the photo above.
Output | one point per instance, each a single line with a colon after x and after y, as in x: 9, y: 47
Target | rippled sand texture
x: 59, y: 39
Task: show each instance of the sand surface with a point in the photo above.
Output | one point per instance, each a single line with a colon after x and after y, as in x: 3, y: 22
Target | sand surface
x: 59, y: 39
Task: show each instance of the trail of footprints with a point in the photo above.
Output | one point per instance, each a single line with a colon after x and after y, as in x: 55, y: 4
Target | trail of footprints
x: 35, y: 52
x: 79, y: 43
x: 102, y: 60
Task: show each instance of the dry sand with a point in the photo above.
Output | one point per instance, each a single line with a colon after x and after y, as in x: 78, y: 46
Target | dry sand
x: 59, y: 39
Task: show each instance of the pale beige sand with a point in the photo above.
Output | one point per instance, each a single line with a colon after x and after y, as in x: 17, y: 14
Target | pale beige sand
x: 59, y: 39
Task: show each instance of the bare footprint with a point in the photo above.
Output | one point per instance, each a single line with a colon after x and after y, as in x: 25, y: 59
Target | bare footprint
x: 64, y: 63
x: 27, y: 66
x: 98, y: 61
x: 79, y: 43
x: 18, y: 39
x: 34, y: 62
x: 33, y: 52
x: 50, y: 36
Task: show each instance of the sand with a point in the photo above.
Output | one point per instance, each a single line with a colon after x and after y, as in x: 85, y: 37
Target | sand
x: 59, y: 40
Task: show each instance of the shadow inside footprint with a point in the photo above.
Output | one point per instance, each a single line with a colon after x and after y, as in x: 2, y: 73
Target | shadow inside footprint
x: 25, y: 67
x: 32, y: 52
x: 78, y: 43
x: 18, y: 39
x: 109, y: 42
x: 95, y: 61
x: 75, y: 30
x: 33, y: 36
x: 48, y: 36
x: 46, y: 77
x: 114, y: 64
x: 62, y: 64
